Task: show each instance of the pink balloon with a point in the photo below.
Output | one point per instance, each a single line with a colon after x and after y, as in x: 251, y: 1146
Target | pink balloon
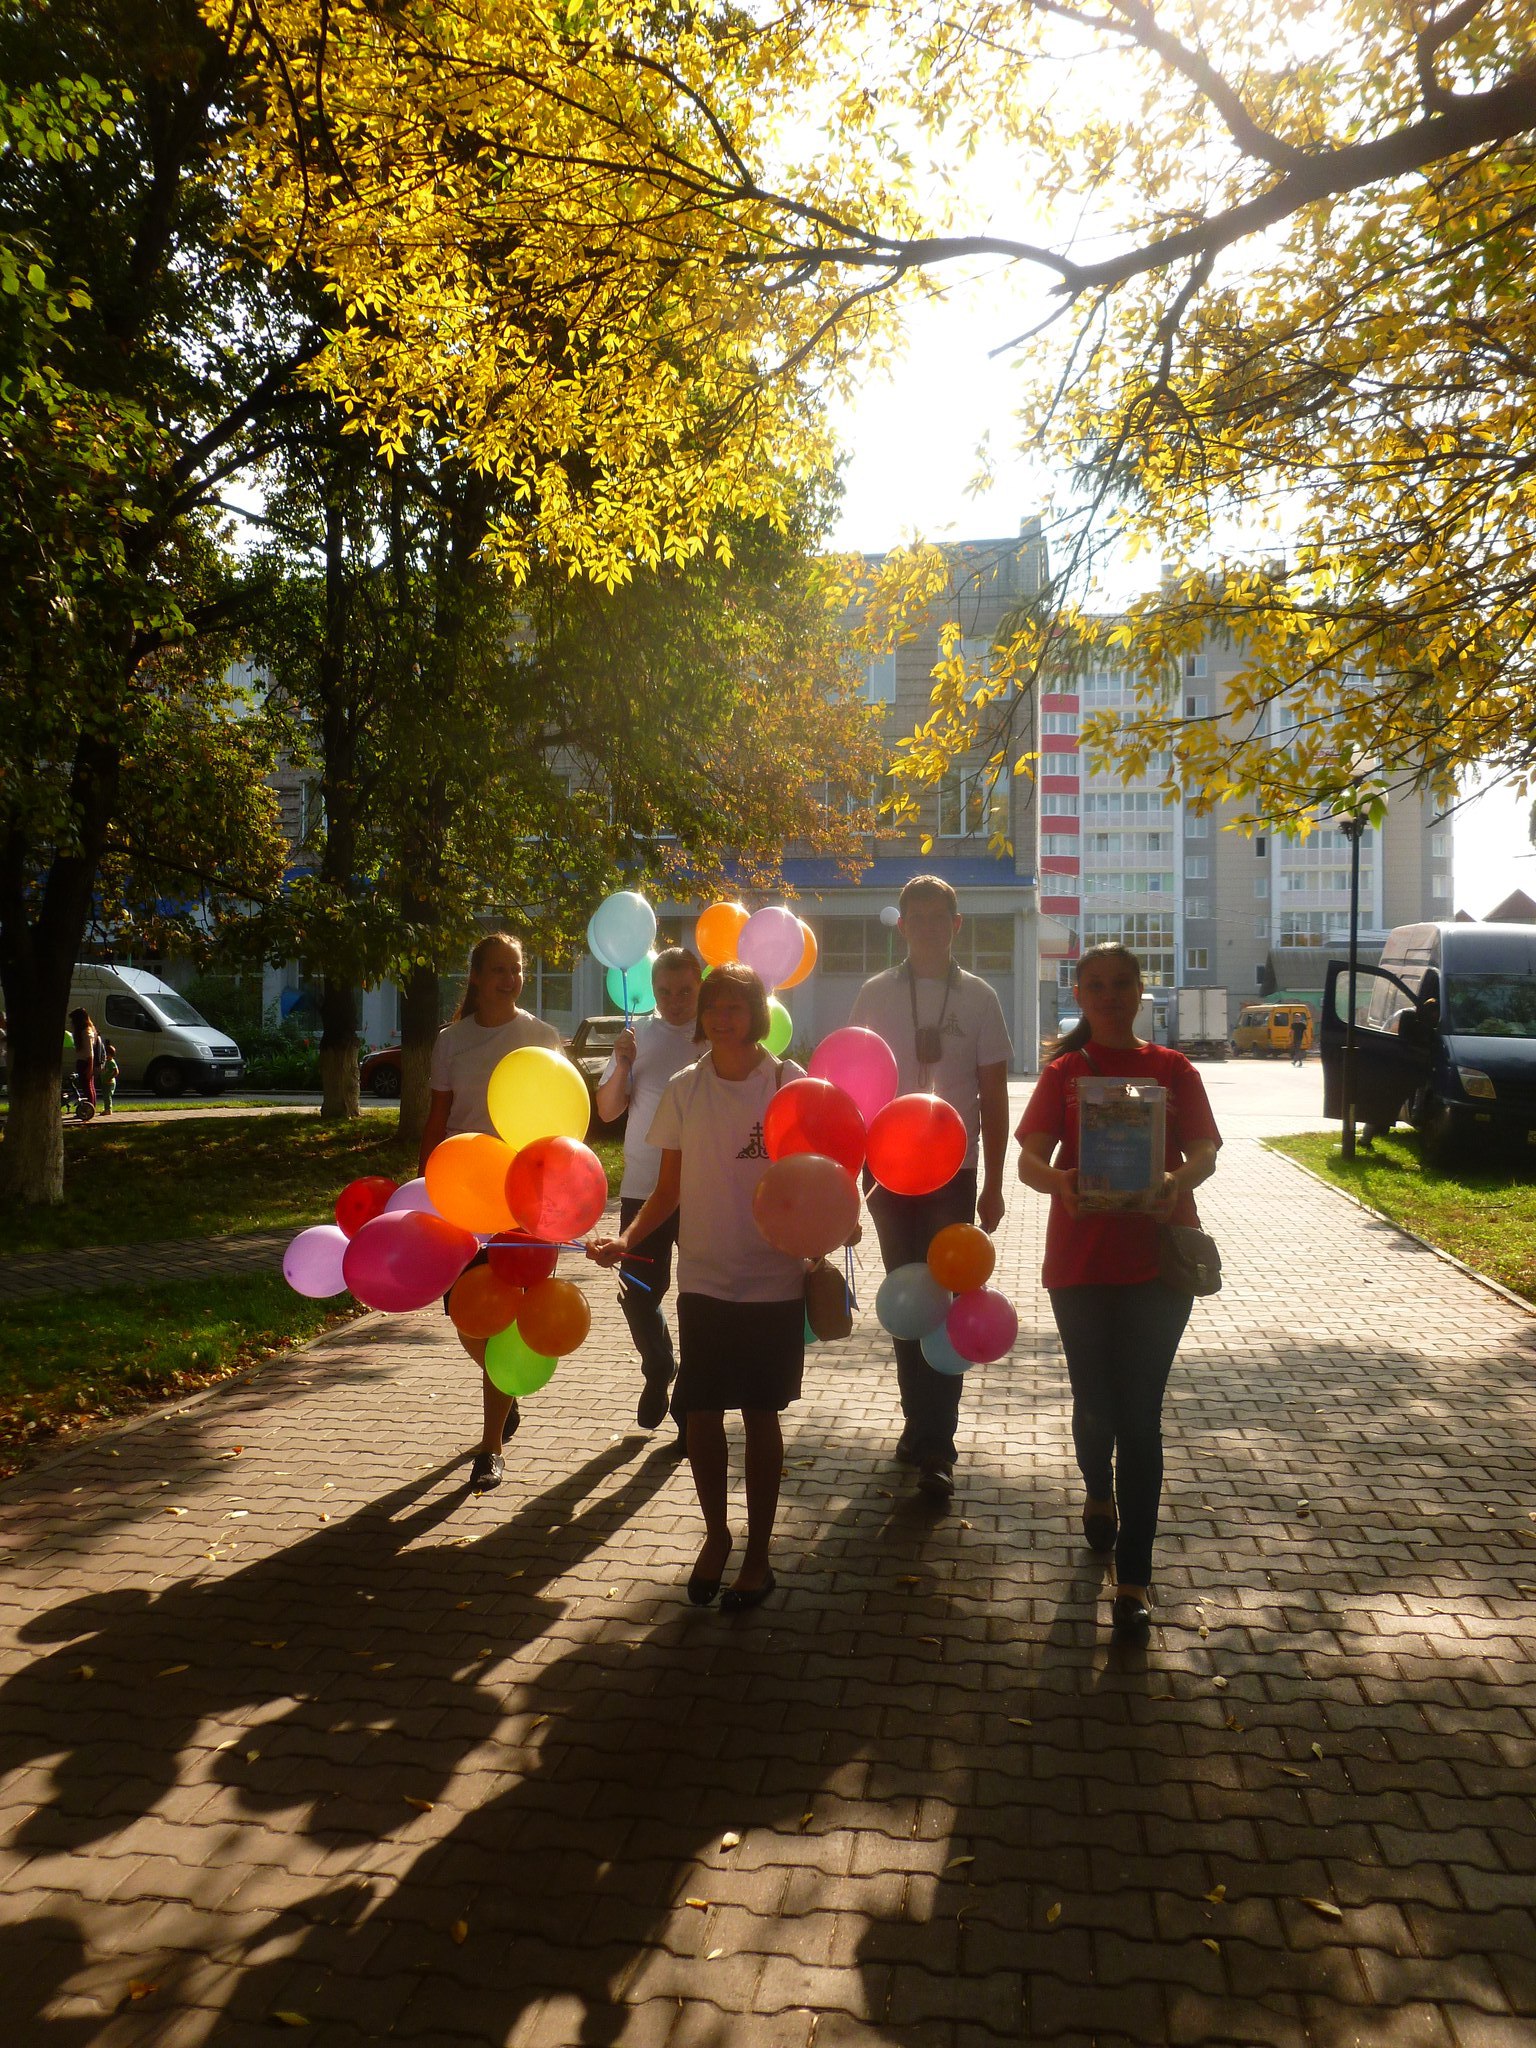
x: 982, y: 1325
x: 771, y: 943
x: 806, y: 1205
x: 410, y: 1196
x: 861, y: 1064
x: 403, y: 1261
x: 312, y: 1263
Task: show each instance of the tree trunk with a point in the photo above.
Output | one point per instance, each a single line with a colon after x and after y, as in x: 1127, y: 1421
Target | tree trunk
x: 419, y: 998
x: 338, y: 1051
x: 32, y: 1157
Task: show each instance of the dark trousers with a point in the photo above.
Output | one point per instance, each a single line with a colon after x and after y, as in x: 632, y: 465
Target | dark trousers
x: 642, y: 1292
x: 1120, y: 1344
x: 906, y: 1226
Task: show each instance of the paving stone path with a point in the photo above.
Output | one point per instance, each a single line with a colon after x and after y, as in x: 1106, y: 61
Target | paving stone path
x: 298, y: 1740
x: 29, y: 1275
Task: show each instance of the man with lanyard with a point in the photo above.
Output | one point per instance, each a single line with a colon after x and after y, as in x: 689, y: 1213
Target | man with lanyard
x: 947, y: 1031
x: 645, y: 1058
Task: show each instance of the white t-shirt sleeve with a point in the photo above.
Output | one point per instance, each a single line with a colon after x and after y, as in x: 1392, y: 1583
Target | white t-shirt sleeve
x: 666, y: 1132
x: 442, y: 1064
x: 992, y: 1040
x: 609, y: 1071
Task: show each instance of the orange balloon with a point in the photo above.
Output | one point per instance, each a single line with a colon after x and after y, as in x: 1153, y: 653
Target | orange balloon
x: 467, y: 1181
x: 480, y: 1304
x: 718, y: 929
x: 554, y: 1318
x: 961, y: 1257
x: 807, y: 958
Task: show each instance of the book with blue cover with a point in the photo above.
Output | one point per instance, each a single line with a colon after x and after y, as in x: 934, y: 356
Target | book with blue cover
x: 1120, y: 1143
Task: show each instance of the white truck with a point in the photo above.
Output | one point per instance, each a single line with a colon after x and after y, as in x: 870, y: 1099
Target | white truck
x: 1201, y: 1017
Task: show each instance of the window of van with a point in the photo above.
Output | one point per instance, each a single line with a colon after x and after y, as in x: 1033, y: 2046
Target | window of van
x: 1492, y: 1005
x: 176, y: 1009
x: 127, y: 1013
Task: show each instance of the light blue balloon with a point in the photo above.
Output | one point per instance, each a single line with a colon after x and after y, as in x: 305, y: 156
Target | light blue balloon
x: 623, y: 929
x: 594, y: 944
x: 641, y: 996
x: 942, y: 1355
x: 911, y: 1302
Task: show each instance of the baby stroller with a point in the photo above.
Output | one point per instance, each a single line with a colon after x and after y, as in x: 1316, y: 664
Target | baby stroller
x: 76, y: 1102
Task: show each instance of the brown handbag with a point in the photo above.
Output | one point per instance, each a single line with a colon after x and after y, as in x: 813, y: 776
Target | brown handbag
x: 828, y: 1302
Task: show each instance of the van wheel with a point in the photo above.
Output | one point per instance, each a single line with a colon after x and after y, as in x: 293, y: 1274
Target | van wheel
x: 165, y: 1078
x: 1438, y: 1140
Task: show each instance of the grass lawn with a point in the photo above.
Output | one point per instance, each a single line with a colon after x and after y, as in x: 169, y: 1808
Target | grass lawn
x: 69, y: 1361
x: 137, y: 1183
x: 1484, y: 1217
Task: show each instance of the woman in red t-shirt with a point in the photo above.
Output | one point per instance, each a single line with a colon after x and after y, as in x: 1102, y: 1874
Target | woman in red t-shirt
x: 1120, y: 1324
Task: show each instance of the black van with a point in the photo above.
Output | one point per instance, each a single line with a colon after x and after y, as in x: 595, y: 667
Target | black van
x: 1445, y: 1034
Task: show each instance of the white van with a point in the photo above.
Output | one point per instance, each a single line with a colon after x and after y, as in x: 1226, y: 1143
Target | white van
x: 161, y: 1041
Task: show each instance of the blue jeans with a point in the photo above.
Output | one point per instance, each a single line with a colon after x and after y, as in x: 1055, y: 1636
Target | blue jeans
x: 906, y: 1226
x: 1120, y: 1344
x: 642, y: 1294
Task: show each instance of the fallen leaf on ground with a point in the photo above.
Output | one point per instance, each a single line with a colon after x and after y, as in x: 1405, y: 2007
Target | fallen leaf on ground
x: 1326, y: 1907
x: 909, y: 1579
x: 713, y: 1954
x: 958, y: 1862
x: 85, y: 1671
x: 171, y: 1670
x: 460, y: 1605
x: 1220, y: 1684
x: 1291, y: 1771
x: 1053, y: 1913
x: 290, y: 2019
x: 730, y: 1839
x: 1213, y: 1946
x: 932, y: 1639
x: 459, y: 1932
x: 253, y: 1756
x: 324, y: 1517
x: 421, y: 1805
x: 173, y: 1511
x: 1018, y: 1721
x: 269, y: 1642
x: 387, y: 1665
x: 805, y: 1821
x: 1235, y: 1725
x: 700, y: 1905
x: 1217, y: 1895
x: 538, y: 1722
x: 885, y: 1493
x: 1317, y: 1750
x: 234, y: 1515
x: 140, y: 1988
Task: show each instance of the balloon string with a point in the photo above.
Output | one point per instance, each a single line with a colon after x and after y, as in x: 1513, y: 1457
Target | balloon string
x: 848, y: 1275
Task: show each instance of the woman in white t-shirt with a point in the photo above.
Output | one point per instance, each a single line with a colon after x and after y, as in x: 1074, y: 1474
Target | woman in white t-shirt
x: 740, y: 1303
x: 468, y: 1051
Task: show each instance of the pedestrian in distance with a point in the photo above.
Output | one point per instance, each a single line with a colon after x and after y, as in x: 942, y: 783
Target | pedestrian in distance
x: 740, y: 1303
x: 487, y: 1026
x: 646, y: 1056
x: 1120, y: 1324
x: 1298, y: 1038
x: 947, y: 1032
x: 111, y: 1073
x: 86, y: 1041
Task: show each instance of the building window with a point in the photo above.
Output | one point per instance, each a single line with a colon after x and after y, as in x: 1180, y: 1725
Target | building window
x: 1439, y: 845
x: 1148, y: 934
x: 880, y: 679
x: 1258, y: 977
x: 1260, y: 845
x: 1058, y: 721
x: 1056, y: 803
x: 973, y: 803
x: 1261, y: 887
x: 1197, y: 707
x: 1197, y: 867
x: 1440, y: 887
x: 1197, y: 959
x: 1196, y: 827
x: 1194, y: 665
x: 1197, y: 906
x: 550, y: 990
x: 1056, y: 843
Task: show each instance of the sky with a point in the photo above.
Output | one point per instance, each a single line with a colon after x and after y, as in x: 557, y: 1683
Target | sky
x: 913, y: 434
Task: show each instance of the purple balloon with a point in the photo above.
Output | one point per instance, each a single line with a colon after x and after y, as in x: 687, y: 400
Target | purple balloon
x: 861, y: 1064
x: 411, y: 1195
x: 982, y: 1325
x: 771, y: 944
x: 402, y: 1262
x: 942, y: 1355
x: 312, y: 1263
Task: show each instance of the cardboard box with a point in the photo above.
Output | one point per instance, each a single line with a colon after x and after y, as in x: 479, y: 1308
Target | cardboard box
x: 1120, y: 1143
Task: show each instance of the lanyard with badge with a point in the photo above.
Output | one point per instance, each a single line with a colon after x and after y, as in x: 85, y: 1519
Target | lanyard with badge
x: 928, y: 1039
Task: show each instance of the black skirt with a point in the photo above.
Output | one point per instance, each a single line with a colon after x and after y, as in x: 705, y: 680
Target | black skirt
x: 739, y: 1354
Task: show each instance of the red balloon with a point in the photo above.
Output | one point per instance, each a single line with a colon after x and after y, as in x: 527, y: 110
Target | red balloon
x: 361, y: 1200
x: 815, y: 1116
x: 406, y: 1259
x: 916, y: 1144
x: 520, y: 1260
x: 557, y: 1188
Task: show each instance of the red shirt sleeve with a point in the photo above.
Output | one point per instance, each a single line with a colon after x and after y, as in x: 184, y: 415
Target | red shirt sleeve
x: 1046, y: 1109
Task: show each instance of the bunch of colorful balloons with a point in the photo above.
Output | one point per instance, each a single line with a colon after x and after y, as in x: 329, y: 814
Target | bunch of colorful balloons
x: 944, y: 1303
x: 621, y: 935
x: 523, y: 1195
x: 779, y: 947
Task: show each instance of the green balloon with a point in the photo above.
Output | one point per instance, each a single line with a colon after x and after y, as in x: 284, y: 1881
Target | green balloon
x: 636, y: 983
x: 512, y: 1367
x: 810, y: 1334
x: 781, y: 1028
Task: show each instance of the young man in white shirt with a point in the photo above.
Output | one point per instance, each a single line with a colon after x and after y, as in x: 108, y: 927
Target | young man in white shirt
x: 947, y: 1031
x: 644, y: 1060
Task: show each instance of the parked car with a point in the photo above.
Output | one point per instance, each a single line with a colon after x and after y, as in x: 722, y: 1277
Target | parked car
x: 162, y: 1043
x: 380, y: 1074
x: 1445, y: 1034
x: 1265, y: 1028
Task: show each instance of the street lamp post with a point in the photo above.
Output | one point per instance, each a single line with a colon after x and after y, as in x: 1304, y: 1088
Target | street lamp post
x: 1353, y: 826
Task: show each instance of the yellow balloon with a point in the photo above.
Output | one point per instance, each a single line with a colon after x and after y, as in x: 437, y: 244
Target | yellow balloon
x: 536, y: 1093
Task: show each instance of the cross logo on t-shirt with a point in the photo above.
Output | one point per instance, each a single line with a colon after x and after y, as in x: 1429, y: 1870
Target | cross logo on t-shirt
x: 754, y: 1148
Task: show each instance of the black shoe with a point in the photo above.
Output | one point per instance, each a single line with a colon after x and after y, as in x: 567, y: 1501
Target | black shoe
x: 1100, y: 1531
x: 486, y: 1472
x: 1131, y: 1618
x: 652, y: 1405
x: 678, y: 1447
x: 740, y: 1598
x: 937, y: 1480
x: 702, y: 1591
x: 511, y: 1425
